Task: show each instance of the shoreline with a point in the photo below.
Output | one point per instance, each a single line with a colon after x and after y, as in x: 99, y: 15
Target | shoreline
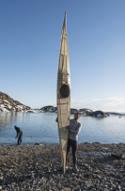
x: 55, y: 143
x: 33, y: 167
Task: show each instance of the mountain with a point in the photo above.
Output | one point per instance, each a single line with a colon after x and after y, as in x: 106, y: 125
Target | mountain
x: 9, y: 104
x: 48, y: 108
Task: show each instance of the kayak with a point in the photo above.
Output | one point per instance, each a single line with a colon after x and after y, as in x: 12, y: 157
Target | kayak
x: 63, y: 94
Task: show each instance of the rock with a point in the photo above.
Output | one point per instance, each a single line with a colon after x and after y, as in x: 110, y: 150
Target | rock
x: 123, y: 156
x: 66, y: 189
x: 116, y: 155
x: 32, y: 167
x: 88, y: 183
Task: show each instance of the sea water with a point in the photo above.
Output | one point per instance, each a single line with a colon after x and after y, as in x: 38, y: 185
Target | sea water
x: 42, y: 128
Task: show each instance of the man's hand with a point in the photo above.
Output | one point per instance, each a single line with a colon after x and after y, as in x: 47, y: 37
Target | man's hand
x: 67, y: 126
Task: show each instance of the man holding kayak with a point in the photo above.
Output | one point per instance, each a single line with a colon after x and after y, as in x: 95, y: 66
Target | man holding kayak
x: 73, y: 128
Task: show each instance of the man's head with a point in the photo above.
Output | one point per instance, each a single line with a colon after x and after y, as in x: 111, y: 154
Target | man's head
x: 76, y: 115
x: 16, y: 128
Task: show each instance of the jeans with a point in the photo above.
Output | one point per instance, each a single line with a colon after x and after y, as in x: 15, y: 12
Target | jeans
x: 73, y: 145
x: 19, y: 140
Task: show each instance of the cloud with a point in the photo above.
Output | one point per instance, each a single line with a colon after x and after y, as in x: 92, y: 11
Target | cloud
x: 107, y: 104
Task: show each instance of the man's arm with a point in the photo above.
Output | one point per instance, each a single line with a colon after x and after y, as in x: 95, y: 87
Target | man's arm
x: 17, y: 131
x: 67, y: 127
x: 78, y: 129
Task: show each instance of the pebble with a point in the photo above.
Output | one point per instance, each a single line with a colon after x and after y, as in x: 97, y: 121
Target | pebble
x: 37, y: 168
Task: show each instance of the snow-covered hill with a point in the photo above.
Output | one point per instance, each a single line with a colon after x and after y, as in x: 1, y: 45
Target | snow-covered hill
x: 9, y: 104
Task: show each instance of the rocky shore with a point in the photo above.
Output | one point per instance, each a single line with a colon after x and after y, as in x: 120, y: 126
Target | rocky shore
x: 37, y: 168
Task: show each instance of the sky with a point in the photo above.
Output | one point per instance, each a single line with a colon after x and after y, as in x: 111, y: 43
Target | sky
x: 30, y: 32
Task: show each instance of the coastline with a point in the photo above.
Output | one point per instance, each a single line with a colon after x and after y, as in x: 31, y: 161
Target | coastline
x: 37, y: 167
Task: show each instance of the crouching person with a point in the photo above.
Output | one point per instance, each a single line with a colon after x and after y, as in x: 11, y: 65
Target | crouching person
x: 19, y: 134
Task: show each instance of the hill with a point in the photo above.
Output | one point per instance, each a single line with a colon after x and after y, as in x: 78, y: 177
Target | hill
x: 9, y: 104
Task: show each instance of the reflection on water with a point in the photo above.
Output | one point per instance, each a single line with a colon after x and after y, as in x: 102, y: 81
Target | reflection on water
x: 5, y: 120
x: 38, y: 127
x: 41, y: 127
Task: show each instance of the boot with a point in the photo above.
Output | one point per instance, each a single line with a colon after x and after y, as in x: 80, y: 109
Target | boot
x: 75, y: 168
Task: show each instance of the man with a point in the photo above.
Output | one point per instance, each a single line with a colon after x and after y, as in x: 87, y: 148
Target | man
x: 18, y: 135
x: 72, y: 139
